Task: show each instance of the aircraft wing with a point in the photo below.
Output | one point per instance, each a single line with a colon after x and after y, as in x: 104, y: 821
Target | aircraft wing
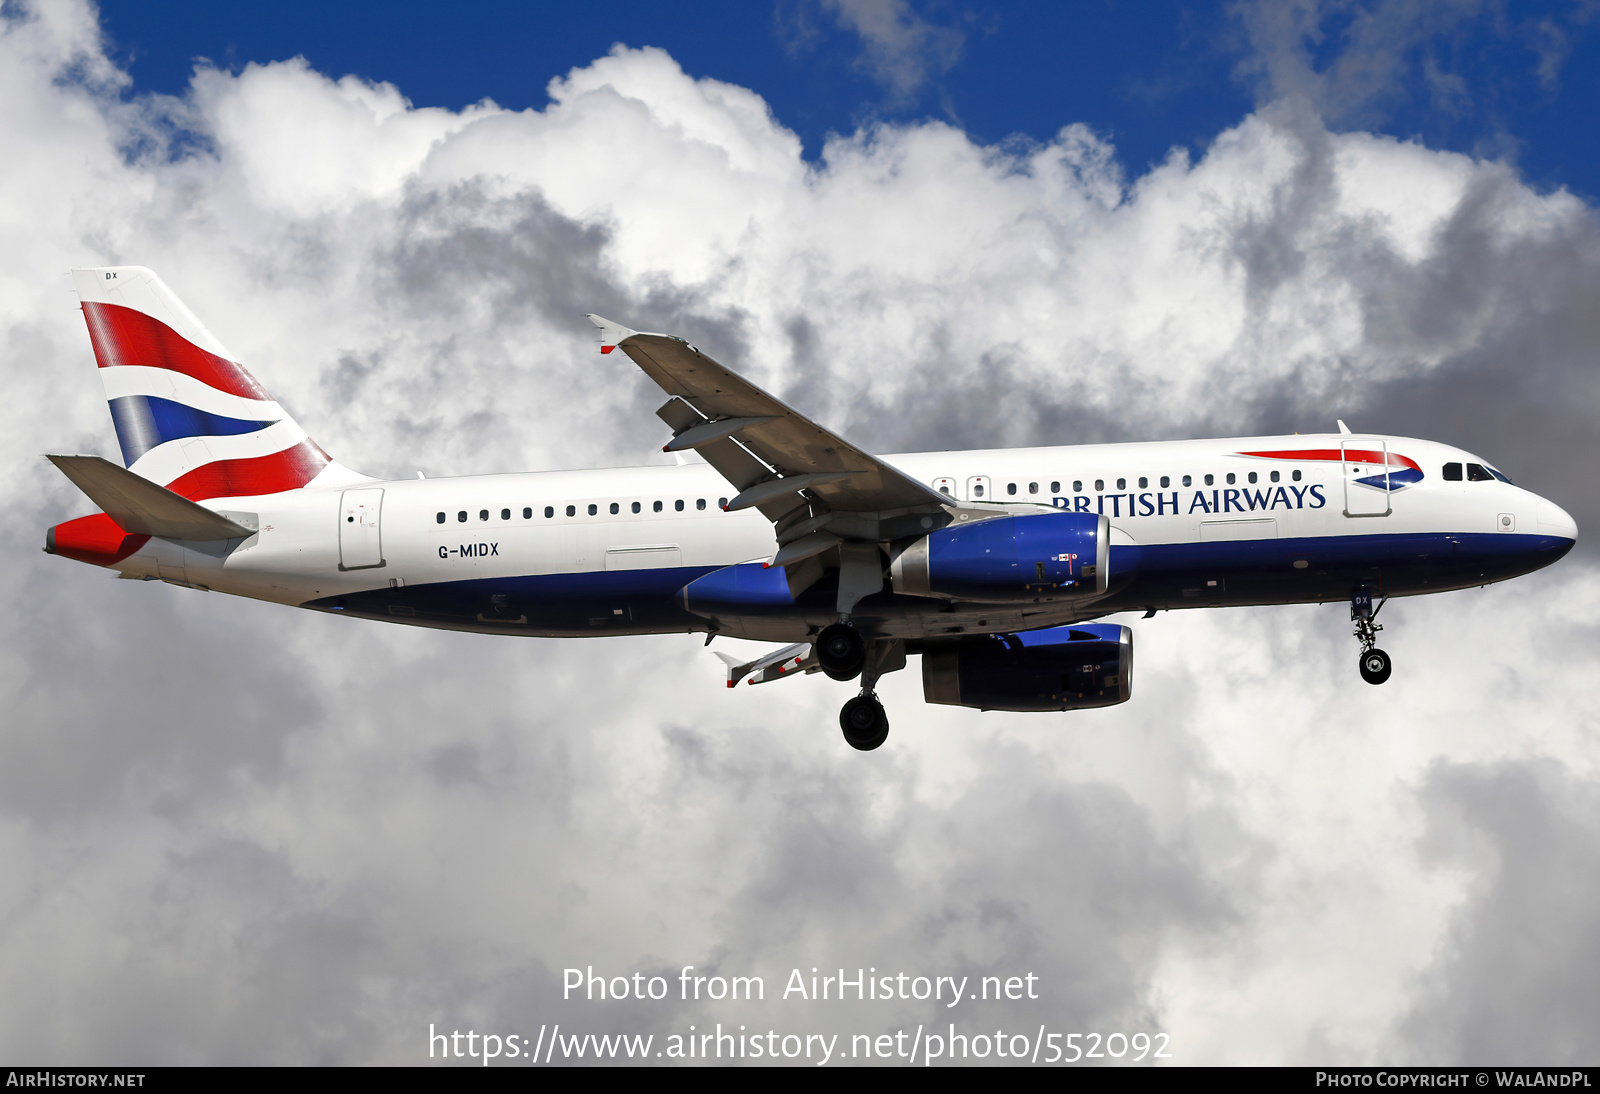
x: 723, y: 407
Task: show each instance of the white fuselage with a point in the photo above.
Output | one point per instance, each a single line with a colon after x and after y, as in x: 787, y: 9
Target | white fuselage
x: 434, y: 532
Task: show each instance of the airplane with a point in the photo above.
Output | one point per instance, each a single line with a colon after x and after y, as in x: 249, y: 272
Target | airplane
x: 992, y: 566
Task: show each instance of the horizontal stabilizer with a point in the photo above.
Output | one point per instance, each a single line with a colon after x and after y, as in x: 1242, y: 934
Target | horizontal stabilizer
x: 143, y: 507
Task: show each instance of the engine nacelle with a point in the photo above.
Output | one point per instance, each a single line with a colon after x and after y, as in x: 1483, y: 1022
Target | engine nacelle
x: 1058, y: 668
x: 1009, y: 558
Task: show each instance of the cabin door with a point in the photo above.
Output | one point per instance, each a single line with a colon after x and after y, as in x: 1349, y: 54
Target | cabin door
x: 1366, y: 478
x: 360, y: 537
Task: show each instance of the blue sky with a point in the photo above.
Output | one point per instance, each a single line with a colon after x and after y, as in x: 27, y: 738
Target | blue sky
x: 1513, y: 82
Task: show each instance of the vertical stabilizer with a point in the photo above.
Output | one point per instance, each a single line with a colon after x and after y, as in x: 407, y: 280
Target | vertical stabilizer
x: 189, y: 416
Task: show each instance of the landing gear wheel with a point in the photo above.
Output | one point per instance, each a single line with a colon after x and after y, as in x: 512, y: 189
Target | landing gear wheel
x: 841, y: 651
x: 1375, y: 666
x: 865, y: 724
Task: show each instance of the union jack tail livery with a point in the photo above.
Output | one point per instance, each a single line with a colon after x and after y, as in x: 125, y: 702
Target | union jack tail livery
x: 188, y: 416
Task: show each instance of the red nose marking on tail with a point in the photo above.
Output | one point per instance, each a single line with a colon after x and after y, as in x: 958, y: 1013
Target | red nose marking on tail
x: 97, y: 540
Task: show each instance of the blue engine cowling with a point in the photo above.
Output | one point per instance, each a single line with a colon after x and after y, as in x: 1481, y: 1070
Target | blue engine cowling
x: 1009, y: 558
x: 1057, y: 668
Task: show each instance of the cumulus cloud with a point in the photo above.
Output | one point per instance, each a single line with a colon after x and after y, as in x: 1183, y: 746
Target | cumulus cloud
x: 901, y: 48
x: 241, y: 833
x: 1361, y: 62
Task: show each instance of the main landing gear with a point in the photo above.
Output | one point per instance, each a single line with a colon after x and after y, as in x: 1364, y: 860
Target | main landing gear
x: 864, y: 722
x: 843, y: 654
x: 1375, y: 664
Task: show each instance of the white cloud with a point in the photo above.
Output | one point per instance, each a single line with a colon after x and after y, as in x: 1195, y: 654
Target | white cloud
x: 241, y: 833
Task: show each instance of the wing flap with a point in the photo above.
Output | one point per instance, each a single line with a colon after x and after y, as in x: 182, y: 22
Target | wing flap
x: 784, y: 440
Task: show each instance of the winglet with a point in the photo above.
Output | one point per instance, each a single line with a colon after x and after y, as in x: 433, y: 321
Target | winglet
x: 610, y: 333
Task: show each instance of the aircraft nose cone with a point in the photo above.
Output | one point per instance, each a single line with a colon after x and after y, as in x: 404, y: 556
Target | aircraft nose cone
x: 1554, y: 521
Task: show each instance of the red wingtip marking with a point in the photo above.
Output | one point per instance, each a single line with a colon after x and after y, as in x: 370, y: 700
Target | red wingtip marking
x: 607, y: 349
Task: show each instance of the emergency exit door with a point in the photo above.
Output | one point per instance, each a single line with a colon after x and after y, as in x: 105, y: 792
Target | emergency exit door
x: 360, y: 531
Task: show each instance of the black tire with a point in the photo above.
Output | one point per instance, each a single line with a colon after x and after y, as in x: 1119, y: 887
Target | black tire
x: 864, y: 722
x: 1375, y: 666
x: 841, y: 651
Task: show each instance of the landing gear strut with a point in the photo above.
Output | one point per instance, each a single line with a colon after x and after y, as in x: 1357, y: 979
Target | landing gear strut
x: 863, y: 720
x: 1375, y: 664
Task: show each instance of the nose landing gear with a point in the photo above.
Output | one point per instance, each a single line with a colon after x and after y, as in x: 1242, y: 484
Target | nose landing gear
x: 1374, y: 663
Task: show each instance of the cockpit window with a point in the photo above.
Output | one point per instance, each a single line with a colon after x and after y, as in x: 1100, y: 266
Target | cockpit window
x: 1476, y: 473
x: 1498, y: 475
x: 1452, y: 472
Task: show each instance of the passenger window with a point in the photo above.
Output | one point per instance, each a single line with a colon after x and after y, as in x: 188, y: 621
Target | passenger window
x: 1099, y: 484
x: 678, y: 505
x: 593, y: 509
x: 1452, y: 472
x: 440, y: 518
x: 1055, y: 488
x: 1077, y: 486
x: 1211, y: 480
x: 1188, y: 480
x: 1143, y: 482
x: 1011, y: 488
x: 505, y: 514
x: 1122, y: 484
x: 700, y: 503
x: 722, y: 503
x: 656, y: 507
x: 635, y: 507
x: 549, y: 511
x: 527, y: 514
x: 978, y: 490
x: 1033, y: 488
x: 1166, y: 481
x: 462, y: 516
x: 1476, y: 473
x: 1230, y: 478
x: 483, y: 514
x: 1295, y: 475
x: 572, y: 510
x: 1274, y: 476
x: 615, y: 508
